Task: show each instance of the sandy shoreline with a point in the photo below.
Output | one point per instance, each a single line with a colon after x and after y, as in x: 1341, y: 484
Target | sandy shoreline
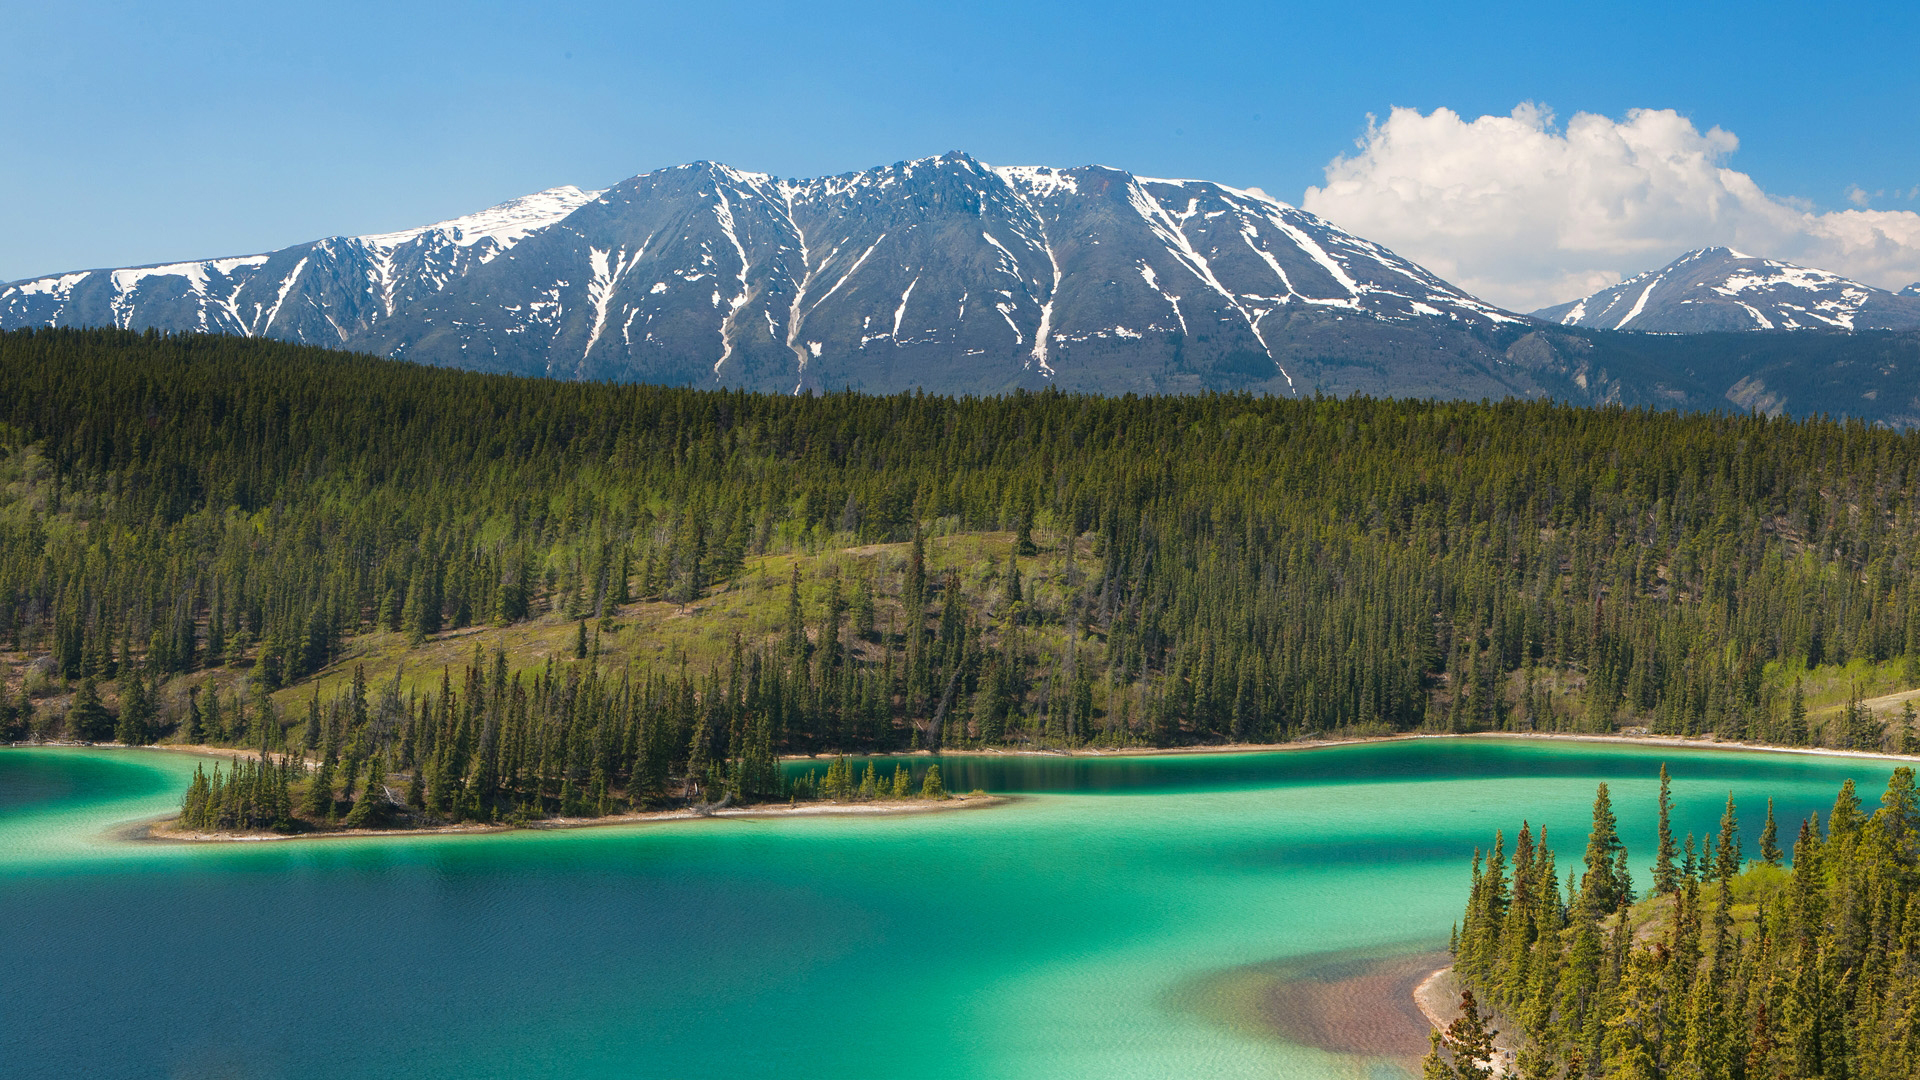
x: 228, y: 753
x: 1679, y: 741
x: 1438, y: 998
x: 150, y: 831
x: 154, y: 831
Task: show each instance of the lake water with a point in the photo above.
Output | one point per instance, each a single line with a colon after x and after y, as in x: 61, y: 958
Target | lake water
x: 1126, y: 917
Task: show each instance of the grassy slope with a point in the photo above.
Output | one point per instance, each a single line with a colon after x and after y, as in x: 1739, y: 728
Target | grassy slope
x: 648, y: 635
x: 660, y: 636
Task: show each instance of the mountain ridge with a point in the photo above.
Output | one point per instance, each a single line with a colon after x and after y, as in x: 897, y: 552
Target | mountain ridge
x: 949, y: 275
x: 944, y: 272
x: 1717, y: 288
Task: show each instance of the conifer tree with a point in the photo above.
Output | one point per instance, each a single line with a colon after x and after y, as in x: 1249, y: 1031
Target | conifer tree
x: 796, y: 633
x: 931, y: 787
x: 191, y: 730
x: 1797, y: 716
x: 320, y: 790
x: 1770, y: 851
x: 136, y: 711
x: 863, y: 608
x: 1728, y: 859
x: 1470, y: 1041
x: 1600, y: 890
x: 1434, y: 1066
x: 369, y: 808
x: 1666, y: 877
x: 87, y: 719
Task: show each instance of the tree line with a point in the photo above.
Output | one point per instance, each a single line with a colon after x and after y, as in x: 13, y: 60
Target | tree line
x: 1219, y: 567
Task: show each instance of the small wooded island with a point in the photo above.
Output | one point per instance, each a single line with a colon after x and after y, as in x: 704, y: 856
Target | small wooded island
x: 505, y: 754
x: 1728, y: 969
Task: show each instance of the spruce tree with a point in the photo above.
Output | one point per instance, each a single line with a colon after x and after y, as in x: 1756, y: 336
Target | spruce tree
x: 191, y: 731
x: 1864, y: 729
x: 369, y: 808
x: 1770, y: 839
x: 863, y: 608
x: 215, y: 720
x: 1728, y: 859
x: 1600, y: 890
x: 931, y: 787
x: 796, y: 629
x: 136, y: 710
x: 1434, y: 1066
x: 1471, y: 1041
x: 310, y: 739
x: 320, y: 790
x: 1797, y: 716
x: 87, y: 719
x: 1666, y: 877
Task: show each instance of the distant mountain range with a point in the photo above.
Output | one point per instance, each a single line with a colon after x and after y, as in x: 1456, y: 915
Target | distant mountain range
x: 943, y: 273
x: 954, y: 276
x: 1718, y: 288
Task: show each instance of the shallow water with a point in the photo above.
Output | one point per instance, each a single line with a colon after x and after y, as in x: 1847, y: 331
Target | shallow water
x: 1088, y: 929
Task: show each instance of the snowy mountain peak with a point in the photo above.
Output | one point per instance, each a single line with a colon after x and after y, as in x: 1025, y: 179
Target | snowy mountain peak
x: 505, y: 224
x: 1717, y: 288
x: 943, y: 272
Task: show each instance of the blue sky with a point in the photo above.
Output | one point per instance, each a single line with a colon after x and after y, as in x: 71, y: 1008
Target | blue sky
x: 143, y: 132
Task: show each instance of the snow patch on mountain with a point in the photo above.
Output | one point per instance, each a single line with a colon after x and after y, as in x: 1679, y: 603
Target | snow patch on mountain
x: 506, y: 224
x: 940, y: 271
x: 1718, y: 288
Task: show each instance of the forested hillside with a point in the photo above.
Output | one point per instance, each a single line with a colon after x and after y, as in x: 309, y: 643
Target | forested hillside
x: 199, y: 533
x: 1731, y: 969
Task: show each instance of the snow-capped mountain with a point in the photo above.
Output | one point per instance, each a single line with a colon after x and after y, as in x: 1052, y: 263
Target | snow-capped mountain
x: 945, y: 273
x: 325, y: 292
x: 1717, y: 288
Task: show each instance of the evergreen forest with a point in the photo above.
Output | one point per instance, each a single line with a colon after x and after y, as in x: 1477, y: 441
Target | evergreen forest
x: 1730, y: 969
x: 483, y: 597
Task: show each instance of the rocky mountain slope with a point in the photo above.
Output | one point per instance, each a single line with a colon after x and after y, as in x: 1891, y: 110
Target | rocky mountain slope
x: 1721, y: 289
x: 954, y: 276
x: 943, y: 273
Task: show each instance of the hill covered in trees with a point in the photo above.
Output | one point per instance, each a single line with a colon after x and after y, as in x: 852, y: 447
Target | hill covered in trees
x: 650, y: 591
x: 1731, y: 969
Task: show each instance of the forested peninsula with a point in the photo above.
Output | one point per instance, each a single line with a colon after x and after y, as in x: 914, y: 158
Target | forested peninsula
x: 1730, y: 968
x: 452, y: 596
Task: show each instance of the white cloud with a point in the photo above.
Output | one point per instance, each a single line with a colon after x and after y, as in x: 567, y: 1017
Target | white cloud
x: 1527, y: 215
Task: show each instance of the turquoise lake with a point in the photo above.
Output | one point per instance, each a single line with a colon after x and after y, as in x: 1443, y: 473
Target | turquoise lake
x: 1086, y: 929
